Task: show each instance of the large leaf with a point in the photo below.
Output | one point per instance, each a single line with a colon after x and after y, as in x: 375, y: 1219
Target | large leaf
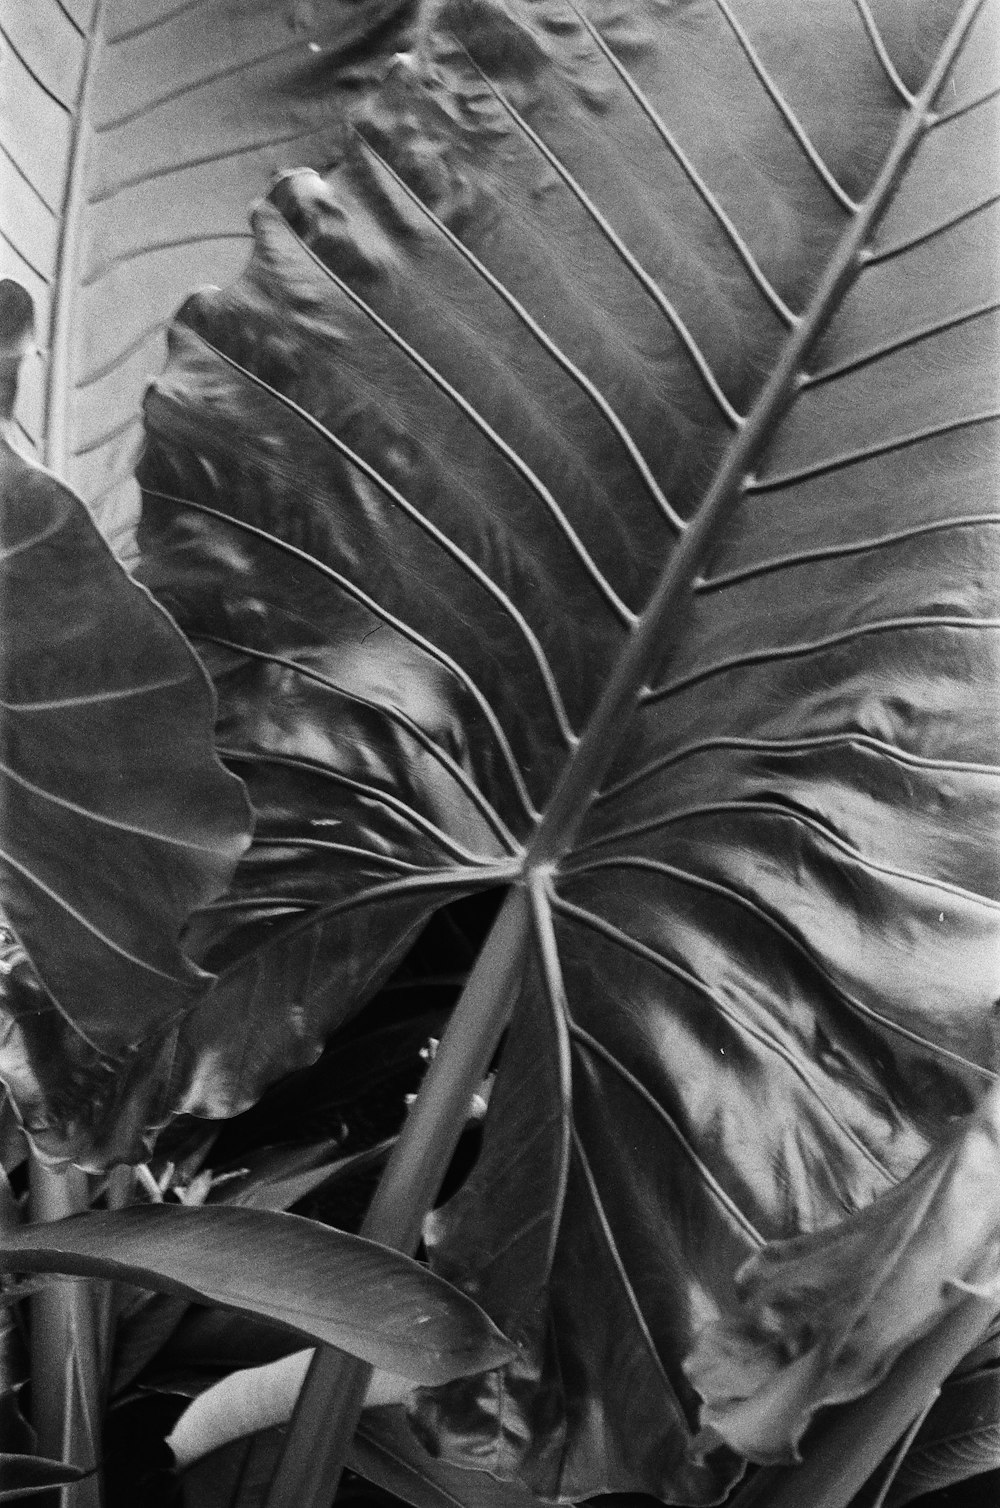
x: 135, y: 135
x: 116, y: 819
x: 593, y: 482
x: 319, y: 1283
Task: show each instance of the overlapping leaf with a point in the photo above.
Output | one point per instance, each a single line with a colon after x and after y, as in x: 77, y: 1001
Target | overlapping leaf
x: 116, y: 819
x: 585, y: 275
x: 134, y: 136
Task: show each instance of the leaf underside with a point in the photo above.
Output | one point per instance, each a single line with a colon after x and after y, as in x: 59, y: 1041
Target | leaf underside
x: 681, y: 313
x: 824, y: 1316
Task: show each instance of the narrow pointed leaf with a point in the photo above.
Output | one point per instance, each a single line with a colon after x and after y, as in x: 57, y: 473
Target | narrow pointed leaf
x: 29, y: 1476
x: 685, y: 315
x: 320, y: 1283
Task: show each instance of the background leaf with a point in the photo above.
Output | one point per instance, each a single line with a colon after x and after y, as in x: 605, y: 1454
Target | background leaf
x: 29, y: 1476
x: 386, y: 1452
x: 135, y: 137
x: 107, y: 719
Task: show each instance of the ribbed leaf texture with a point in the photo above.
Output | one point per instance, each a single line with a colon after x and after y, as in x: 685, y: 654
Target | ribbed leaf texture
x: 135, y: 134
x: 116, y: 819
x: 592, y: 483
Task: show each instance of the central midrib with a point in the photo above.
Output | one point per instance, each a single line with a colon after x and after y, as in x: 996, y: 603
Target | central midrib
x: 56, y: 440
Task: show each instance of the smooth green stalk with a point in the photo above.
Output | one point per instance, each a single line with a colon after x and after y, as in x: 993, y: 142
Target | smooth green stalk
x: 326, y: 1415
x: 67, y: 1377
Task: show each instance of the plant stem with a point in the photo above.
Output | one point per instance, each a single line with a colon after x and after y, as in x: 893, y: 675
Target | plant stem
x: 66, y: 1374
x: 326, y: 1415
x: 851, y: 1445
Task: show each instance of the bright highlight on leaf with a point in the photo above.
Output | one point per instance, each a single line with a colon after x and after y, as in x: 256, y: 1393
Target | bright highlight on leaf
x: 135, y: 136
x: 24, y: 1476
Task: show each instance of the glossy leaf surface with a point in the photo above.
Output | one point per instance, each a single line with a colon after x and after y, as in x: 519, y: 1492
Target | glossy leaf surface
x: 303, y: 1276
x: 663, y: 314
x: 135, y: 137
x: 116, y: 819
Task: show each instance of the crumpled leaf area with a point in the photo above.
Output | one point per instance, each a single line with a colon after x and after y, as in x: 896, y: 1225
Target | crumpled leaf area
x: 824, y: 1316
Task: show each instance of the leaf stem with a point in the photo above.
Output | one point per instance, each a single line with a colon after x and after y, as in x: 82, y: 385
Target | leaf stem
x: 333, y: 1393
x: 66, y: 1375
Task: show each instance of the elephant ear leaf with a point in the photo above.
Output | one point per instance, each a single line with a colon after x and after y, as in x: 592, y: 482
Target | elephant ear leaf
x: 116, y: 819
x: 592, y: 483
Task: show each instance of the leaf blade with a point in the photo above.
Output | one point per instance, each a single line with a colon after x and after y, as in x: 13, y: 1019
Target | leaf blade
x: 105, y: 713
x: 764, y: 804
x: 278, y: 1267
